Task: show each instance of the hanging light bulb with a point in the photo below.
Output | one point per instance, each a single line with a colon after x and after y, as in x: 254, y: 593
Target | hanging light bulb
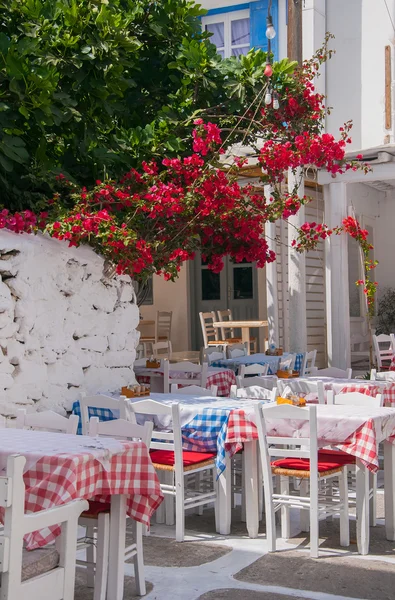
x: 276, y: 103
x: 268, y: 70
x: 268, y: 98
x: 270, y: 31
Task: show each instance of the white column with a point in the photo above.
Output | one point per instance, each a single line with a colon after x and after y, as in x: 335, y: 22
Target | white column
x: 271, y: 287
x: 336, y: 276
x: 296, y: 274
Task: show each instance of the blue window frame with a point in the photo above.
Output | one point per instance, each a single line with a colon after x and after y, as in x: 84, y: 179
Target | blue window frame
x: 240, y: 27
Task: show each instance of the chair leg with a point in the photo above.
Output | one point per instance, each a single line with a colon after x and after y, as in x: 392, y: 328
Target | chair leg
x: 304, y: 515
x: 90, y: 557
x: 285, y: 516
x: 344, y: 517
x: 198, y: 485
x: 314, y: 519
x: 139, y: 559
x: 180, y: 511
x: 243, y: 490
x: 169, y: 498
x: 160, y: 511
x: 102, y: 553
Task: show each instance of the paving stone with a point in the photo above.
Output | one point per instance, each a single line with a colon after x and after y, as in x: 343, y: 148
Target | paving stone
x: 84, y: 593
x: 232, y: 594
x: 165, y: 552
x: 344, y: 575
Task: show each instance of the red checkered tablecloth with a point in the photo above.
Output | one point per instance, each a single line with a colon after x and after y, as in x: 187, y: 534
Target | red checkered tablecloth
x: 240, y: 429
x: 57, y: 479
x: 223, y: 379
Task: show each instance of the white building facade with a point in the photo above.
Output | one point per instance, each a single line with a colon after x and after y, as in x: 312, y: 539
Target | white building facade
x: 359, y: 82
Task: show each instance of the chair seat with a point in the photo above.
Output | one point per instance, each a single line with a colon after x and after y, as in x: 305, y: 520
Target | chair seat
x: 148, y: 338
x: 164, y: 459
x: 300, y: 467
x: 95, y: 508
x: 39, y: 561
x: 337, y: 455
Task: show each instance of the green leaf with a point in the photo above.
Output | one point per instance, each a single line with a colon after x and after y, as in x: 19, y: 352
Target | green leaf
x: 4, y: 43
x: 23, y: 110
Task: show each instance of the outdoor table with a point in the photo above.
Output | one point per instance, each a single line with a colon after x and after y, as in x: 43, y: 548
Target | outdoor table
x: 339, y: 386
x: 245, y: 327
x: 62, y: 467
x: 222, y: 378
x: 258, y: 359
x: 212, y: 424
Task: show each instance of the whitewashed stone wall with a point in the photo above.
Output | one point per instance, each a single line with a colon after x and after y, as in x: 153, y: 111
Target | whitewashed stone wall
x: 64, y: 327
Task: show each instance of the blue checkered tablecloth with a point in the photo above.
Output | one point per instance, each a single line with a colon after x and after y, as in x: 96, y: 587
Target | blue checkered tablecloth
x: 257, y: 359
x: 205, y: 432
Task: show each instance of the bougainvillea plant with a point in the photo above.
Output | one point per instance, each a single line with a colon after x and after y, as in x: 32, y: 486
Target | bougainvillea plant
x: 155, y: 218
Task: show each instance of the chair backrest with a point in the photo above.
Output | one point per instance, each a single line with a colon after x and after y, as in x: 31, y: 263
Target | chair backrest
x: 121, y: 429
x: 140, y: 351
x: 383, y: 348
x: 383, y: 376
x: 226, y: 315
x: 55, y: 583
x: 287, y: 447
x: 253, y: 392
x: 46, y: 421
x: 268, y: 382
x: 101, y: 403
x: 163, y: 325
x: 209, y: 333
x: 308, y: 363
x: 194, y: 390
x: 236, y: 350
x: 254, y: 369
x: 164, y: 440
x: 302, y: 387
x: 184, y: 373
x: 354, y: 399
x: 162, y: 349
x: 333, y: 372
x: 213, y: 353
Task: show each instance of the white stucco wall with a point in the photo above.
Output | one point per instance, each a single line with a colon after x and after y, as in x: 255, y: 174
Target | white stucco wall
x: 64, y: 328
x: 355, y: 76
x: 172, y: 296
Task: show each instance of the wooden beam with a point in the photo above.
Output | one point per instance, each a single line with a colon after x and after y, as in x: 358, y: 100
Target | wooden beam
x: 388, y: 102
x: 379, y: 172
x: 294, y: 36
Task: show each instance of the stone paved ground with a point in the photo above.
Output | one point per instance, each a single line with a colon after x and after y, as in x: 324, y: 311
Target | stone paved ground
x: 212, y: 567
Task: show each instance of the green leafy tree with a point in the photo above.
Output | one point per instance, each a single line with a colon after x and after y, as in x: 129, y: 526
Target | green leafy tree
x: 90, y: 88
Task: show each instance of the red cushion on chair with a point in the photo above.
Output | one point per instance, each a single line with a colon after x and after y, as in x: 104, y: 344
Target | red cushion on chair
x: 337, y: 455
x: 303, y: 464
x: 95, y: 508
x: 166, y: 457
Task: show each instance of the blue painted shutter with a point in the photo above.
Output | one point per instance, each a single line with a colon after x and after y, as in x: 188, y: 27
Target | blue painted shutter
x: 258, y: 14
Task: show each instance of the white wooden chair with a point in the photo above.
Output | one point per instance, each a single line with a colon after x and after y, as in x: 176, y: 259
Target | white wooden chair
x: 383, y: 376
x: 255, y: 369
x: 308, y: 363
x: 356, y: 399
x: 303, y: 387
x: 47, y: 421
x: 184, y: 373
x: 194, y: 390
x: 384, y: 349
x: 213, y: 353
x: 163, y: 326
x: 97, y: 518
x: 227, y: 333
x: 175, y: 464
x: 45, y: 573
x: 268, y: 382
x: 332, y: 372
x: 102, y: 403
x: 162, y: 350
x: 299, y: 460
x: 253, y: 392
x: 236, y: 350
x: 210, y: 334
